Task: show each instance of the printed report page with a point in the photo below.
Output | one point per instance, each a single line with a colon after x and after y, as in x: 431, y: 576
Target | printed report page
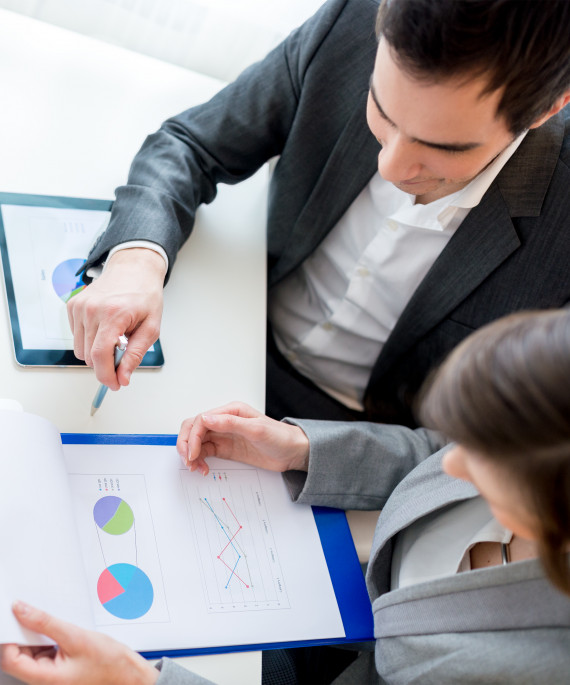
x: 176, y: 560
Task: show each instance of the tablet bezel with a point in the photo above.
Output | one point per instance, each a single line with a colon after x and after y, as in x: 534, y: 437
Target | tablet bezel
x: 46, y: 357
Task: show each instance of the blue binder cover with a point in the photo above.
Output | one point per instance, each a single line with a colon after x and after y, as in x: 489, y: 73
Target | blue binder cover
x: 338, y: 547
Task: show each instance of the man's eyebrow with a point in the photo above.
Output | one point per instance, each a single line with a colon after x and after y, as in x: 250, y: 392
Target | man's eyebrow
x: 452, y: 147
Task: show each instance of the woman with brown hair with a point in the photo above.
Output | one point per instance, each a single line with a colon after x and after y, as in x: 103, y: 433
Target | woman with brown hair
x: 468, y: 575
x: 504, y: 397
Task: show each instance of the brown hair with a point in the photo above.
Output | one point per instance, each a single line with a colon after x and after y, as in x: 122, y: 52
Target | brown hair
x: 521, y: 46
x: 504, y: 392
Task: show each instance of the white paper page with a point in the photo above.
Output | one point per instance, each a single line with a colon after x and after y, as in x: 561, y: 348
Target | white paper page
x: 175, y: 560
x: 39, y: 559
x: 5, y: 603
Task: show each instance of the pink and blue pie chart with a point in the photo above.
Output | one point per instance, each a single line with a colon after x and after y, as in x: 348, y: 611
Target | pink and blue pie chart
x: 125, y: 591
x: 65, y: 283
x: 113, y: 515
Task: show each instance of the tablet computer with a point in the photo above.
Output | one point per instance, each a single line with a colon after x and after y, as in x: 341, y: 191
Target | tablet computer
x: 44, y: 240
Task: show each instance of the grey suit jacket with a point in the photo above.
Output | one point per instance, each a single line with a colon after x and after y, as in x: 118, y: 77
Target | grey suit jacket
x: 305, y: 102
x: 505, y: 624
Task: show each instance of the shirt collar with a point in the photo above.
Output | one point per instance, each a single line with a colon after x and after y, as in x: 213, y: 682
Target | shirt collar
x: 471, y: 195
x: 436, y: 215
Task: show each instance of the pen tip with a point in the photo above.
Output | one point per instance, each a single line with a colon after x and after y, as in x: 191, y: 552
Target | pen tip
x: 93, y: 410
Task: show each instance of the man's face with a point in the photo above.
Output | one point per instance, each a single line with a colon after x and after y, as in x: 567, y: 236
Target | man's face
x: 435, y: 137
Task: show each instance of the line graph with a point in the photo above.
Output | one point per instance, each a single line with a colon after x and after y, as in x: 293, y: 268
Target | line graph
x: 232, y: 545
x: 234, y: 541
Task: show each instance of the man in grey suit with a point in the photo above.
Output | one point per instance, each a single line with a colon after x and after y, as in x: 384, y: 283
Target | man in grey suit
x: 373, y: 277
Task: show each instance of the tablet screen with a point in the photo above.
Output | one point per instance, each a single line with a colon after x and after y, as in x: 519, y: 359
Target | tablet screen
x: 44, y: 241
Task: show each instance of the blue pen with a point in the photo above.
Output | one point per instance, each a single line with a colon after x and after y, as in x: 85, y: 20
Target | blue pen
x: 100, y: 394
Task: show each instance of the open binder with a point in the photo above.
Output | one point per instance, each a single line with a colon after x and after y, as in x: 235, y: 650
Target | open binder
x: 174, y: 563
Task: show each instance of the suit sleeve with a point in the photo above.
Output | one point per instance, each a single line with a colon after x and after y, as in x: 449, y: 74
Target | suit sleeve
x: 225, y: 140
x: 173, y: 674
x: 357, y: 465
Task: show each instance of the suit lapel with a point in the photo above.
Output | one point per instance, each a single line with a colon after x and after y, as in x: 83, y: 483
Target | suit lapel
x: 424, y: 490
x: 334, y: 191
x: 485, y: 239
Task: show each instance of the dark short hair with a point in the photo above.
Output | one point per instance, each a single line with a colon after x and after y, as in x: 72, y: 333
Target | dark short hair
x: 504, y: 393
x: 522, y: 46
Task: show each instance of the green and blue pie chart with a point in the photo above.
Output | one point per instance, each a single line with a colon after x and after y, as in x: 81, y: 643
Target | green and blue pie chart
x: 113, y: 515
x: 65, y: 283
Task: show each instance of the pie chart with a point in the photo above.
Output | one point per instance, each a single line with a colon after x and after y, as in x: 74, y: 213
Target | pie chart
x: 113, y: 515
x: 125, y: 591
x: 65, y: 283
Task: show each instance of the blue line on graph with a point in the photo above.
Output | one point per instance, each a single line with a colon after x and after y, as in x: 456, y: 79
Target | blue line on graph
x: 223, y: 528
x: 232, y: 573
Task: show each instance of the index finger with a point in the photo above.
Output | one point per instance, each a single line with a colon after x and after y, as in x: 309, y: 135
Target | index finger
x: 182, y: 439
x: 196, y: 437
x: 185, y: 434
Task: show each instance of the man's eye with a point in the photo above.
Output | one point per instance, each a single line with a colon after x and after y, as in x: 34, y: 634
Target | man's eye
x: 451, y: 151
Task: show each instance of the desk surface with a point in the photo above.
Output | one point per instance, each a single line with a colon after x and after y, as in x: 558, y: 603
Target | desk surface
x: 74, y: 112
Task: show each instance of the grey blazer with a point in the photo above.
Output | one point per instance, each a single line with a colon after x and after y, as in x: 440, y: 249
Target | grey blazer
x: 305, y: 102
x: 505, y: 624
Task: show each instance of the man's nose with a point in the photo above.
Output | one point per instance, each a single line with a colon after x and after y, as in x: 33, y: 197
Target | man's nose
x: 398, y: 160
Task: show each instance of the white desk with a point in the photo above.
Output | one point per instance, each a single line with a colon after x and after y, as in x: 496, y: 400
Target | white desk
x: 74, y: 112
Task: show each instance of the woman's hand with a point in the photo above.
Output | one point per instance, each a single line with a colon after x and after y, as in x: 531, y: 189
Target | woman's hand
x: 82, y: 656
x: 238, y: 432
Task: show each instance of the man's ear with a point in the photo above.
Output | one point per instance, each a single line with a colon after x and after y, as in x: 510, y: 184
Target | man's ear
x: 559, y: 104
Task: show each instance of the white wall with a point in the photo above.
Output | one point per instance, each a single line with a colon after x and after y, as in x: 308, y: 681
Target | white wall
x: 215, y: 37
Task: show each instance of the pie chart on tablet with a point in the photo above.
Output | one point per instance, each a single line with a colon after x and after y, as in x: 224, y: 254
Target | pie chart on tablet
x: 125, y: 591
x: 65, y: 283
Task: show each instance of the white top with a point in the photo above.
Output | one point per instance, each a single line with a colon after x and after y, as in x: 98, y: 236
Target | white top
x: 333, y: 314
x: 438, y: 545
x: 96, y: 271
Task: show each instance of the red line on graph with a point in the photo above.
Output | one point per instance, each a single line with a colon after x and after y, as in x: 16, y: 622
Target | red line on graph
x: 233, y: 572
x: 230, y: 541
x: 231, y: 512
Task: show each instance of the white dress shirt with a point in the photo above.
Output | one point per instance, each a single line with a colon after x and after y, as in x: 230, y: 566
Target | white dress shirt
x: 438, y: 545
x: 95, y: 271
x: 333, y: 314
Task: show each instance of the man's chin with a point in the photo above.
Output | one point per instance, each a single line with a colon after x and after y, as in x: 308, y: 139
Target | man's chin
x: 419, y: 187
